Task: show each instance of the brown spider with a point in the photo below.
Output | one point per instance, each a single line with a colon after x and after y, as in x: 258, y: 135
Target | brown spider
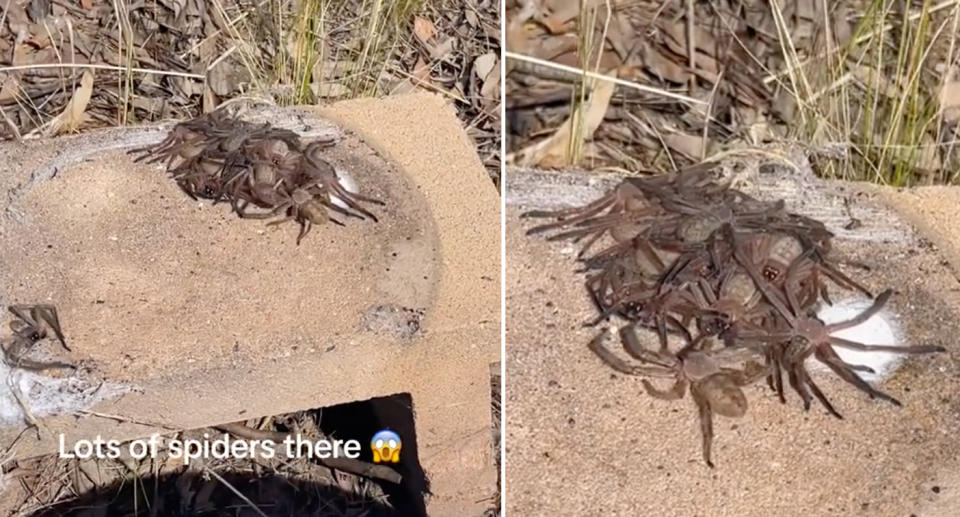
x: 29, y: 328
x: 727, y: 306
x: 628, y: 215
x: 218, y: 156
x: 714, y: 386
x: 804, y: 335
x: 305, y: 207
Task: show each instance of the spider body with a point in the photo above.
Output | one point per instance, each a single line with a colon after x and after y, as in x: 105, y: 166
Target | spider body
x: 31, y: 325
x: 715, y: 386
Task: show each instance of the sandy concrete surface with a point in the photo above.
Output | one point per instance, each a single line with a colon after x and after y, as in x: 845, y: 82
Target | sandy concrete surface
x: 583, y: 440
x: 210, y: 319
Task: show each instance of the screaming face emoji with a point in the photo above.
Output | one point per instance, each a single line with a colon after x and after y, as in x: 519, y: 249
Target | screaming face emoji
x: 386, y: 447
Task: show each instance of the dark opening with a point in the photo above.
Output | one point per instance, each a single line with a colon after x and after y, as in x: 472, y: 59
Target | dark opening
x: 201, y: 492
x: 360, y: 420
x: 190, y: 494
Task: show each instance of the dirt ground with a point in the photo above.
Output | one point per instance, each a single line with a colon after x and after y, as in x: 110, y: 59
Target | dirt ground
x: 584, y: 440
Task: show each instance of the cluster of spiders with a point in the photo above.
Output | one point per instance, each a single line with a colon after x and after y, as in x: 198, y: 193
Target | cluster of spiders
x: 31, y: 325
x: 221, y: 157
x: 728, y: 284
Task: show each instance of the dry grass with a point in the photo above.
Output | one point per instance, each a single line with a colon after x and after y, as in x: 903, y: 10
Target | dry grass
x: 871, y: 88
x: 877, y: 96
x: 49, y: 485
x: 168, y: 60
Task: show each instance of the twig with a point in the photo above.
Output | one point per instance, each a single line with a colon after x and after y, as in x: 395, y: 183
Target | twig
x: 115, y: 68
x: 27, y: 414
x: 124, y: 419
x: 234, y: 490
x: 602, y: 77
x: 353, y: 466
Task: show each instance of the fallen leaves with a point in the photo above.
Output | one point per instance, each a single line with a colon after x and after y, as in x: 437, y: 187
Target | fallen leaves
x: 761, y: 71
x: 555, y: 151
x: 486, y: 68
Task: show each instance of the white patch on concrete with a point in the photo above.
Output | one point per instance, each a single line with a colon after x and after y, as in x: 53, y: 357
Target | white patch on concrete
x: 48, y: 396
x: 349, y: 184
x: 878, y: 330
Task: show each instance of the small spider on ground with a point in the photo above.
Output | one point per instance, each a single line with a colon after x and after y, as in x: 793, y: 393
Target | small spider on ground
x: 30, y: 327
x: 714, y: 382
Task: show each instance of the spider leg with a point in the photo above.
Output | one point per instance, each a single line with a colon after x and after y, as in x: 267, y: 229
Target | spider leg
x: 662, y: 334
x: 33, y: 315
x: 853, y: 345
x: 860, y: 368
x: 575, y: 214
x: 805, y: 377
x: 644, y: 247
x: 48, y: 313
x: 684, y: 332
x: 596, y: 345
x: 863, y: 316
x: 841, y: 279
x: 676, y: 392
x: 797, y: 383
x: 305, y: 226
x: 589, y: 244
x: 775, y: 380
x: 13, y: 356
x: 827, y: 356
x: 706, y: 424
x: 337, y: 208
x: 280, y: 221
x: 593, y: 232
x: 24, y: 313
x: 351, y: 199
x: 631, y: 343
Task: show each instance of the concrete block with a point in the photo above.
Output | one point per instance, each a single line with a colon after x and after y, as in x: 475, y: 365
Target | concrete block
x: 192, y: 317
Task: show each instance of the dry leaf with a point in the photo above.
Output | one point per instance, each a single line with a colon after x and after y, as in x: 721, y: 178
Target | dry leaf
x: 423, y: 29
x: 691, y: 146
x: 491, y: 84
x: 209, y: 99
x: 73, y: 115
x: 663, y: 67
x: 553, y: 152
x: 220, y: 80
x: 483, y: 64
x: 950, y: 100
x: 444, y: 49
x: 8, y: 89
x: 421, y: 71
x: 471, y: 18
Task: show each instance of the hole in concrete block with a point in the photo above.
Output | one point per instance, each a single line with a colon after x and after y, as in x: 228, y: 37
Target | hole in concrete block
x: 278, y: 485
x: 198, y: 495
x: 395, y: 413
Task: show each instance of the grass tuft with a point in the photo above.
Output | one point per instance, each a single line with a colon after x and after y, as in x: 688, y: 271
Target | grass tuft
x: 876, y: 95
